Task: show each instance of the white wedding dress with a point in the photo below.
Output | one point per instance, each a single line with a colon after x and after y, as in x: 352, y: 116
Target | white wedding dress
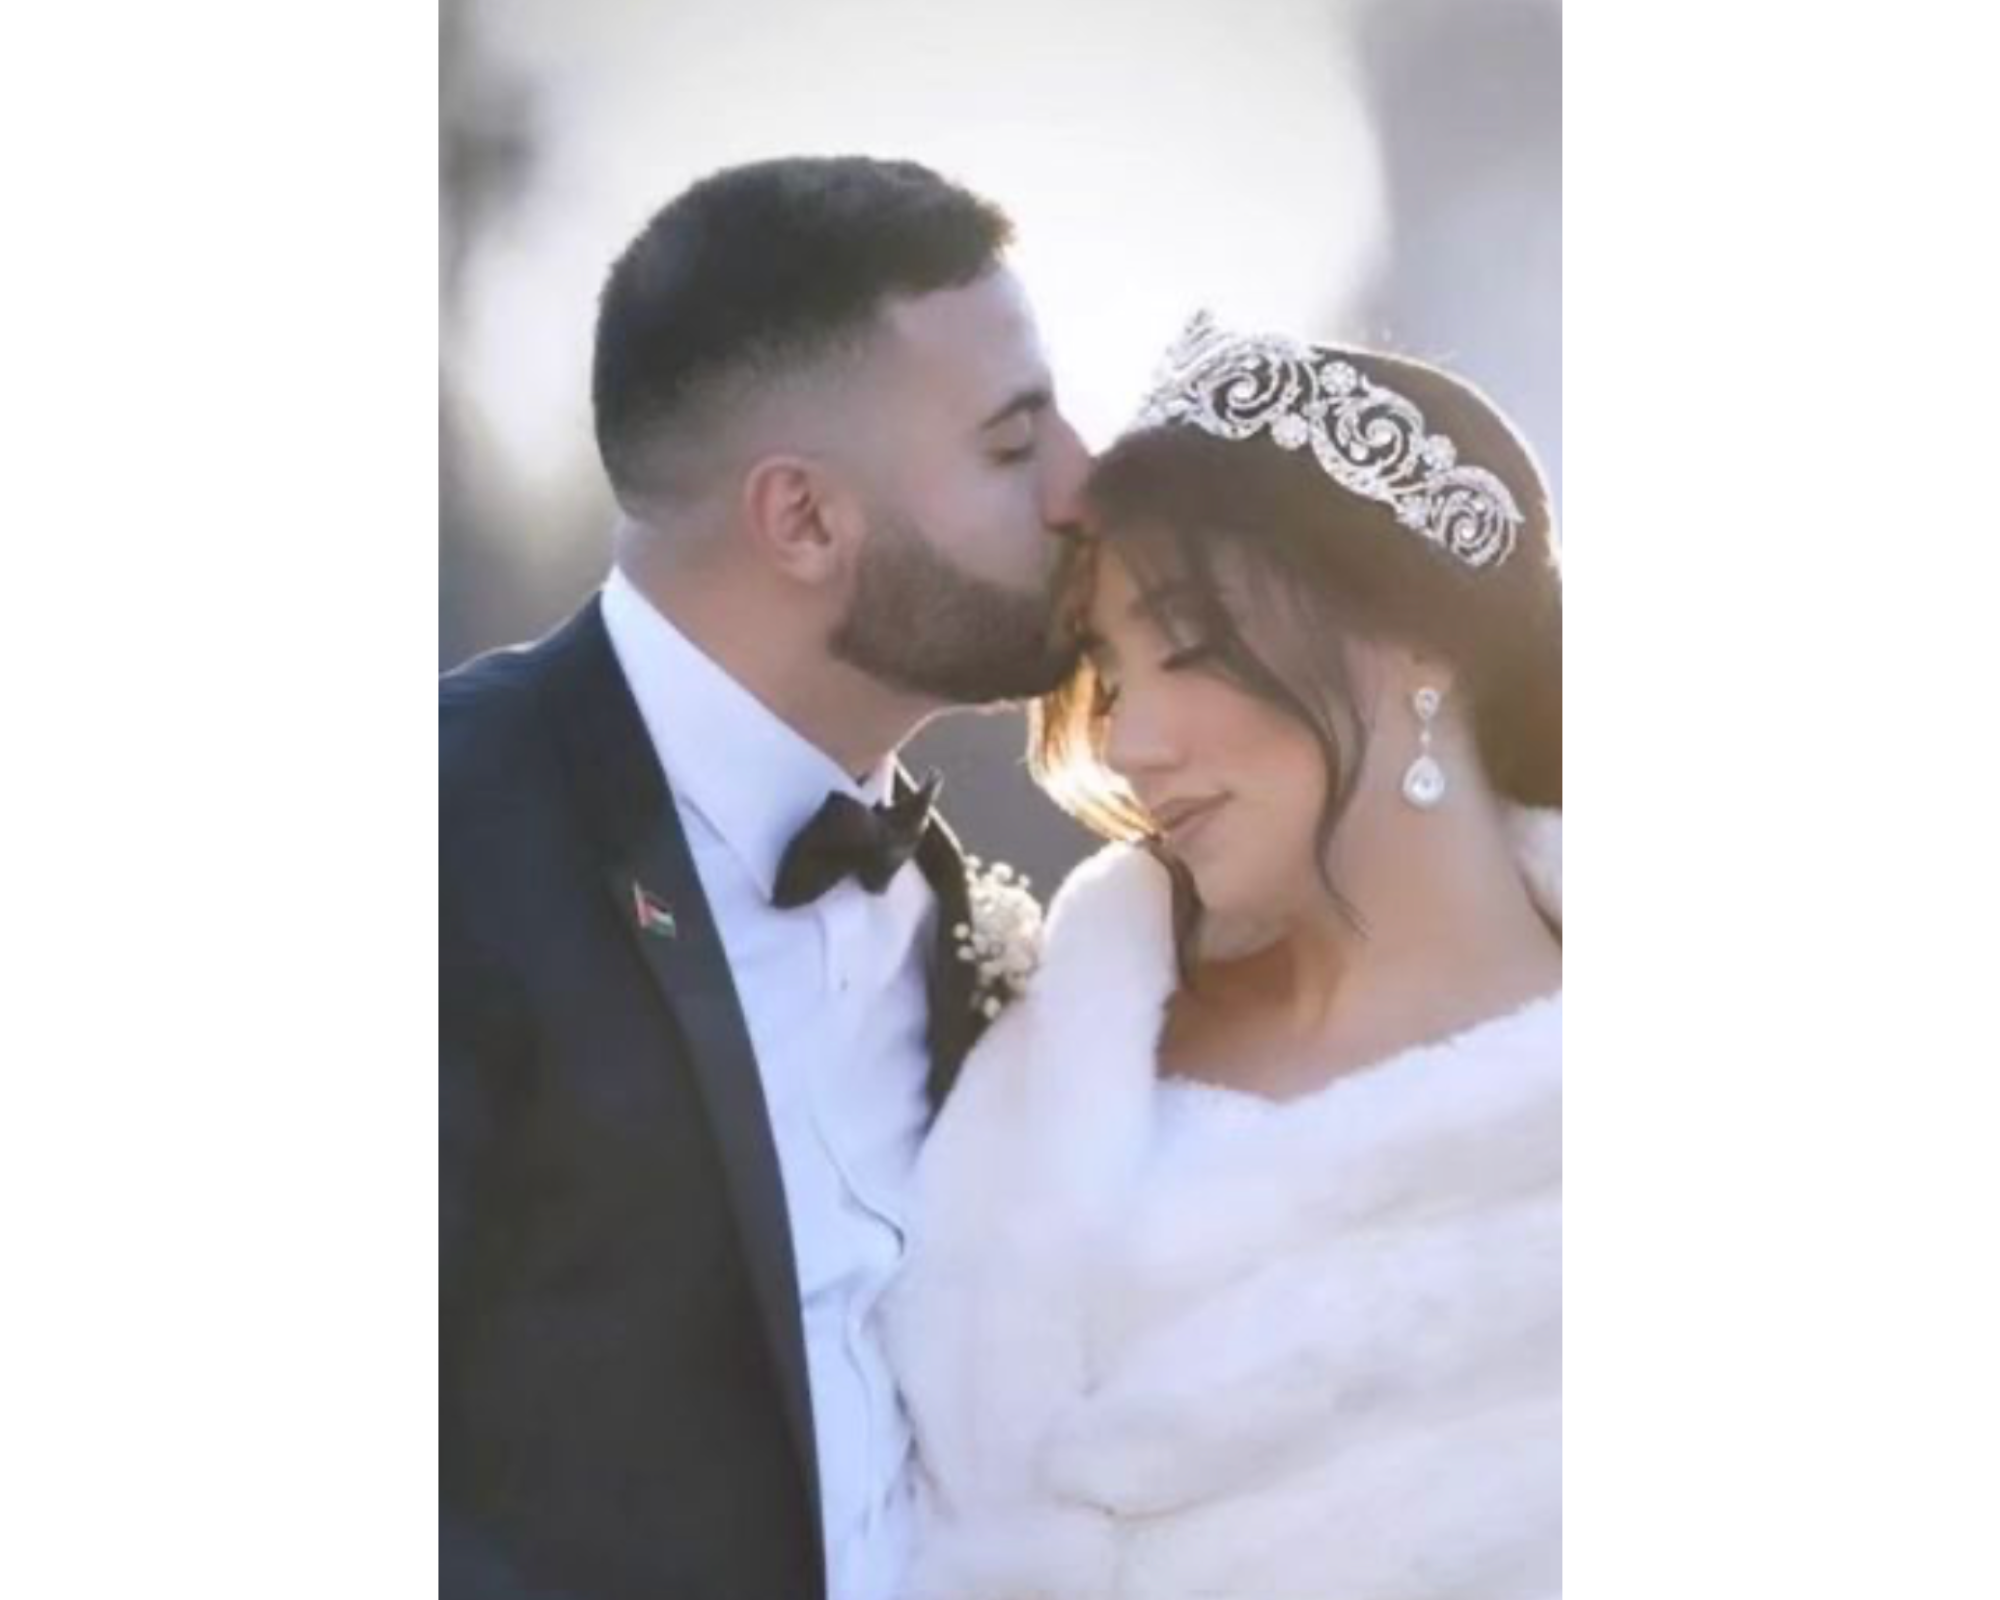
x: 1161, y: 1341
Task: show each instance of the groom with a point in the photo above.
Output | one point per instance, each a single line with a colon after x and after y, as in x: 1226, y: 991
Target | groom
x: 698, y: 996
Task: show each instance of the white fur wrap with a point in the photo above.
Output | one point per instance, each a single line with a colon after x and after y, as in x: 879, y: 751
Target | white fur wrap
x: 1322, y: 1363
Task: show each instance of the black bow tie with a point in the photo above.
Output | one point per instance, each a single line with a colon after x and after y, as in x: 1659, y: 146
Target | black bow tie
x: 846, y: 837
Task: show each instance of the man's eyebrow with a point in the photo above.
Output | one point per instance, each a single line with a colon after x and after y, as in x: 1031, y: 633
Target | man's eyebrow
x: 1027, y: 403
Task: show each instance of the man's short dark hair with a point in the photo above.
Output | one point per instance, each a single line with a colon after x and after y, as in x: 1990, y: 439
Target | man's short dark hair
x: 758, y: 270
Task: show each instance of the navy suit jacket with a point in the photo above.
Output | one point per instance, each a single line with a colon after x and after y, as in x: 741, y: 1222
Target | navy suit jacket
x: 624, y: 1411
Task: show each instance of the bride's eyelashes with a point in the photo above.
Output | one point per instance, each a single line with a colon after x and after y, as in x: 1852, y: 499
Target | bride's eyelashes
x: 1104, y: 693
x: 1191, y: 655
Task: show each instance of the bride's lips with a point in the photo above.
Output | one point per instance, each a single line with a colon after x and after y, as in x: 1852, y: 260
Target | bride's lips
x: 1183, y: 820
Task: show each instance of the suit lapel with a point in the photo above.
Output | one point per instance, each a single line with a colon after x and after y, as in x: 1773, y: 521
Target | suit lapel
x: 686, y: 958
x: 653, y: 888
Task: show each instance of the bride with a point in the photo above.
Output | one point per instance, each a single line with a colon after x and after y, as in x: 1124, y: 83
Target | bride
x: 1237, y: 1261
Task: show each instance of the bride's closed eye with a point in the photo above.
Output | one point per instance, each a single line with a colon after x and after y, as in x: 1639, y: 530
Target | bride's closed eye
x: 1104, y: 693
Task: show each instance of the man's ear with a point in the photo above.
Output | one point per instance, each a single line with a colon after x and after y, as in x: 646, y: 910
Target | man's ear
x: 801, y: 518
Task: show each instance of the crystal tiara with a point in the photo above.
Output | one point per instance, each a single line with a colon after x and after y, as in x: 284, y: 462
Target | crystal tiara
x: 1367, y: 438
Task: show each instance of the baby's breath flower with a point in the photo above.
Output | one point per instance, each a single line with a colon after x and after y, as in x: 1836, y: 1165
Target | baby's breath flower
x: 1003, y: 941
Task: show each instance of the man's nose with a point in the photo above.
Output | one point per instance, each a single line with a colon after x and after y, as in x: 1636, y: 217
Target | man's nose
x: 1062, y: 487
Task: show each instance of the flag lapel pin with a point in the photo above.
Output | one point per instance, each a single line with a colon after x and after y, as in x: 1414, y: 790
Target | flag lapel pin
x: 654, y: 916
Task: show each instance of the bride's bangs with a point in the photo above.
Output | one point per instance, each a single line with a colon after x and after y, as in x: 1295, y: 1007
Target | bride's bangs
x: 1066, y: 731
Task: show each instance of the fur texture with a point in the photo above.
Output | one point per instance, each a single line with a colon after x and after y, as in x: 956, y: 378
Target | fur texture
x: 1321, y: 1359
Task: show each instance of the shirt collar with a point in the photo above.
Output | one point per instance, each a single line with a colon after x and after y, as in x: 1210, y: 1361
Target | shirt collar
x: 749, y: 775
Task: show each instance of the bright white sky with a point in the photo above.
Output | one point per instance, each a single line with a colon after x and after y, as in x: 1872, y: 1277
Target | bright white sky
x: 1156, y: 155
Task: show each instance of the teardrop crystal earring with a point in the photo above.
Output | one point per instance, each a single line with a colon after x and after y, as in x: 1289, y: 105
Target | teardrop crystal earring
x: 1423, y: 783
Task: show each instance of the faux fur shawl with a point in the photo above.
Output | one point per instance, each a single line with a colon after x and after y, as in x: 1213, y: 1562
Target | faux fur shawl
x: 1320, y: 1360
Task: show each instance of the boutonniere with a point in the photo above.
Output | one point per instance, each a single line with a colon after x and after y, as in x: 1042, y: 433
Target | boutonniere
x: 1003, y: 941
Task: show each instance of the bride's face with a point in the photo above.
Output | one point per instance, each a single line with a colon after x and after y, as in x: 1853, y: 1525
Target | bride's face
x: 1235, y: 786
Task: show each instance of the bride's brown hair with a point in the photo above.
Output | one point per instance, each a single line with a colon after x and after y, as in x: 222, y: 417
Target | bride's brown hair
x: 1315, y: 566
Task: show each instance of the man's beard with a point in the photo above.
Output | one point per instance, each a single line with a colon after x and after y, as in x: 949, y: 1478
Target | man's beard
x: 921, y: 624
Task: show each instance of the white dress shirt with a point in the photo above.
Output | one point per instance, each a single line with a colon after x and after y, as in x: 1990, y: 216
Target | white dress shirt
x: 834, y: 995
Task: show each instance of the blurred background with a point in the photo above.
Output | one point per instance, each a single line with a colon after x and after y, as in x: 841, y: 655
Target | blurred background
x: 1382, y: 171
